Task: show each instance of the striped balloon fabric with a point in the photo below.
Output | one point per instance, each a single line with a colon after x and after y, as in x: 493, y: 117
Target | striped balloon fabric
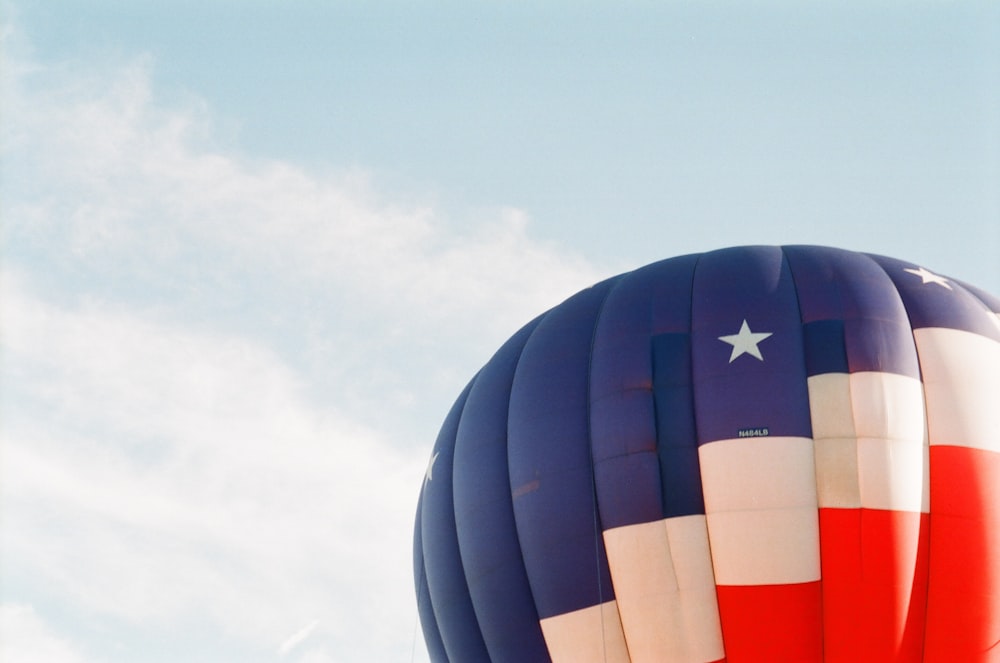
x: 755, y: 454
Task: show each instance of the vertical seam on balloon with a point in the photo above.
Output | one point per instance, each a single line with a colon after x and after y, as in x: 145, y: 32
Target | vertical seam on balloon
x: 424, y: 585
x: 656, y: 422
x: 694, y: 412
x: 673, y: 564
x: 530, y: 327
x: 464, y: 398
x: 422, y: 577
x: 598, y: 530
x: 517, y: 532
x: 812, y: 435
x: 857, y: 457
x: 920, y: 373
x: 454, y: 515
x: 786, y: 264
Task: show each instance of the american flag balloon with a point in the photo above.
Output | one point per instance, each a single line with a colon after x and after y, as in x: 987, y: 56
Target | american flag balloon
x: 755, y: 454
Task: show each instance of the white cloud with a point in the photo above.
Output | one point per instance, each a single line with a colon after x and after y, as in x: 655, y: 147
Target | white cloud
x: 120, y: 196
x: 26, y: 638
x: 182, y: 475
x: 221, y: 374
x: 126, y: 178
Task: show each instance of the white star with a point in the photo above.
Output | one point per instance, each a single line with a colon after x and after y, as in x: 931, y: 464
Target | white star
x: 930, y: 277
x: 745, y: 342
x: 429, y: 474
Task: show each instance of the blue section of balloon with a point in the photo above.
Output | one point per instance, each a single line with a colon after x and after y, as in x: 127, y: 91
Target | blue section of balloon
x: 492, y: 556
x: 552, y: 482
x: 448, y: 588
x: 754, y: 285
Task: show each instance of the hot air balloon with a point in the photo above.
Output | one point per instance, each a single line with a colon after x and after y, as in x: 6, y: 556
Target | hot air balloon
x: 756, y: 454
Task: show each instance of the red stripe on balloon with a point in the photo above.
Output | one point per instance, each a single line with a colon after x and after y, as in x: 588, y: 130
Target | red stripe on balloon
x: 874, y: 565
x: 963, y: 620
x: 774, y: 623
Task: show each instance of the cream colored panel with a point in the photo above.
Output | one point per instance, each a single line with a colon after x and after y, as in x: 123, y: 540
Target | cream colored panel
x: 837, y: 473
x: 836, y: 447
x: 830, y: 406
x: 691, y: 552
x: 665, y: 589
x: 887, y: 467
x: 758, y: 473
x: 961, y: 375
x: 590, y: 635
x: 760, y: 495
x: 696, y: 581
x: 894, y: 475
x: 682, y: 628
x: 640, y: 559
x: 892, y: 441
x: 766, y: 547
x: 887, y: 405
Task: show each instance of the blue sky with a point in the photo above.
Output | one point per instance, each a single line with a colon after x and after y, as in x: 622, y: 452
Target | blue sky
x: 252, y: 251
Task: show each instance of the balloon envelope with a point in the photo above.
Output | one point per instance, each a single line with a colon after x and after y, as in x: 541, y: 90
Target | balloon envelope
x: 753, y: 454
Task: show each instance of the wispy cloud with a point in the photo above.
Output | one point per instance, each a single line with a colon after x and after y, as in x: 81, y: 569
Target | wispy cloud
x: 155, y: 474
x: 221, y: 373
x: 127, y: 178
x: 119, y: 195
x: 297, y: 638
